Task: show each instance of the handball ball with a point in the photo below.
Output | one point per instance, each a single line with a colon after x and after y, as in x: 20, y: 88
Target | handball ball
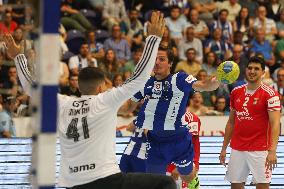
x: 228, y: 72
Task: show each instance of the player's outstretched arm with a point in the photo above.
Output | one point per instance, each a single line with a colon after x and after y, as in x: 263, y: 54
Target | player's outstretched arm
x: 13, y: 50
x: 274, y: 120
x: 131, y: 127
x: 210, y: 84
x: 145, y: 65
x: 227, y: 137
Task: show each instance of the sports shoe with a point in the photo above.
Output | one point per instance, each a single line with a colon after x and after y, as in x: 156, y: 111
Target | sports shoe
x: 194, y: 184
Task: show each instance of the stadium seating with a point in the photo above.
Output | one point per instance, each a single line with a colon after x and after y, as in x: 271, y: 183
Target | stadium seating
x: 91, y: 16
x: 101, y: 35
x: 66, y: 56
x: 15, y: 161
x: 74, y: 40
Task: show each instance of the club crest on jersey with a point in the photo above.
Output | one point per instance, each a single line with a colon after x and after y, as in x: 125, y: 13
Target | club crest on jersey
x: 157, y: 89
x: 255, y: 100
x: 157, y: 86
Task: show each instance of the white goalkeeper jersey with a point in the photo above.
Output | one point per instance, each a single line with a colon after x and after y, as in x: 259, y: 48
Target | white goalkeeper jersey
x: 87, y: 125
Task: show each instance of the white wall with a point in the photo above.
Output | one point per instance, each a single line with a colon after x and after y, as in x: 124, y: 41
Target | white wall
x: 23, y: 126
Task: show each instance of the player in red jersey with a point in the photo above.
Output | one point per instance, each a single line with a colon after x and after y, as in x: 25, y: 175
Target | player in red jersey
x: 193, y: 123
x: 252, y: 130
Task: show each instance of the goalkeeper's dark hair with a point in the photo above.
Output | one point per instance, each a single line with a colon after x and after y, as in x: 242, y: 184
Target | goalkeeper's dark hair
x: 89, y: 79
x: 169, y: 51
x: 257, y: 59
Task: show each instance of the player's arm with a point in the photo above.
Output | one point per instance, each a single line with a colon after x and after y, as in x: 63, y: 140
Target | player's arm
x: 128, y: 107
x: 24, y: 74
x: 274, y: 121
x: 227, y: 137
x: 26, y: 79
x: 145, y: 65
x: 131, y: 127
x: 210, y: 84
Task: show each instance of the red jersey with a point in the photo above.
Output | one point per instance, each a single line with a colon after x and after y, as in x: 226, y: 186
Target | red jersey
x: 252, y: 129
x: 193, y: 123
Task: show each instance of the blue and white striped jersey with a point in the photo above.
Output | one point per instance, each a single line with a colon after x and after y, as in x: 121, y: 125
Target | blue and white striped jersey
x: 164, y: 103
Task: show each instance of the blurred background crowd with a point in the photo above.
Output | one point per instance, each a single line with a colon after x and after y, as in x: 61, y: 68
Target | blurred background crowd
x: 110, y: 34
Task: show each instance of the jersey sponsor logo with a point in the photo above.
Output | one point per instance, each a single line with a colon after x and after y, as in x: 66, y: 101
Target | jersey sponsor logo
x: 190, y: 79
x: 244, y: 115
x: 80, y: 104
x: 74, y: 112
x: 81, y: 168
x: 81, y: 107
x: 183, y: 163
x: 274, y: 101
x: 271, y: 102
x: 3, y: 122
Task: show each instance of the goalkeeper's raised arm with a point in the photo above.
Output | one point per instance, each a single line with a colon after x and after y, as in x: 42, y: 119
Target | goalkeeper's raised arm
x: 13, y: 50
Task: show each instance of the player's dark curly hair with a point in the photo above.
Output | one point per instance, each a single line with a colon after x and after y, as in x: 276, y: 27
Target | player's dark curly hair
x: 257, y: 59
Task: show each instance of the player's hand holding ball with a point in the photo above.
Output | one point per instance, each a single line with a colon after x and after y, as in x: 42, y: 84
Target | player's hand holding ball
x: 228, y: 72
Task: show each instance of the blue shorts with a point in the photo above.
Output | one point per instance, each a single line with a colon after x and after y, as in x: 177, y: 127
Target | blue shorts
x: 132, y: 164
x: 179, y: 150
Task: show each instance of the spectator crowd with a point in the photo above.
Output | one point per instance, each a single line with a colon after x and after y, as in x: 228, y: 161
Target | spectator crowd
x: 110, y: 34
